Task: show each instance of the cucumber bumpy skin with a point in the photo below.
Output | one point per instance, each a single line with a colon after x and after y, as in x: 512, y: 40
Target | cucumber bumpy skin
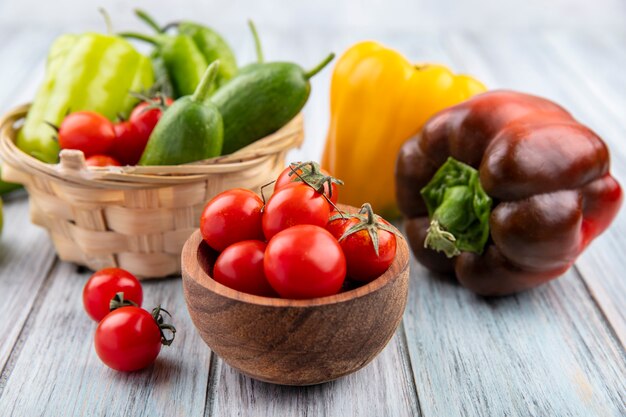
x: 189, y: 130
x: 261, y: 99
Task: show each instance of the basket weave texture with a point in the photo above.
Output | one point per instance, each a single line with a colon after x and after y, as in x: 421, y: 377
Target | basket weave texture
x: 136, y: 218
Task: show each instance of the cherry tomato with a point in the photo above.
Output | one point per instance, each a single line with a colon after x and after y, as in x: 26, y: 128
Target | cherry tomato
x: 128, y: 339
x: 363, y: 264
x: 240, y: 267
x: 86, y: 131
x: 144, y: 119
x: 128, y: 146
x: 304, y: 261
x: 230, y: 217
x: 102, y: 287
x: 293, y: 205
x: 285, y: 178
x: 132, y: 135
x: 101, y: 161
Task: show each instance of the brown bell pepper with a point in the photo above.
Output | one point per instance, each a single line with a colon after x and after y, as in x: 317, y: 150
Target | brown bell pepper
x: 505, y: 190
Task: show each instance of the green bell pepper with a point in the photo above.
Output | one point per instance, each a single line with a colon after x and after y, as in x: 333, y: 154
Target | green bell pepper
x: 84, y: 72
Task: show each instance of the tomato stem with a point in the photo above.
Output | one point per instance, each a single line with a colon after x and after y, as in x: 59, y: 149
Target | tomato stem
x: 119, y: 301
x: 262, y: 189
x: 313, y: 176
x: 370, y: 222
x: 158, y: 317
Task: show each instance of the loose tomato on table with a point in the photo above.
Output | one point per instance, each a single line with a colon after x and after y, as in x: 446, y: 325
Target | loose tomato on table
x: 312, y: 174
x: 368, y: 243
x: 130, y: 338
x: 230, y: 217
x: 99, y: 293
x: 86, y: 131
x: 240, y: 267
x: 294, y: 205
x: 304, y: 261
x: 101, y: 161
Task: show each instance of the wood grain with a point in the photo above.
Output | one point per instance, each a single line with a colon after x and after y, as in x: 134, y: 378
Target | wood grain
x: 58, y: 373
x: 383, y: 388
x: 294, y: 342
x: 544, y: 352
x: 25, y: 252
x: 26, y: 256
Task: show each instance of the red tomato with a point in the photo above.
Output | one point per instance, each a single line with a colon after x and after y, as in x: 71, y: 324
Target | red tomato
x: 240, y: 267
x: 230, y: 217
x: 144, y: 118
x: 285, y: 179
x: 293, y: 205
x: 304, y: 261
x: 101, y: 161
x: 102, y: 287
x: 128, y: 146
x: 86, y: 131
x: 362, y: 262
x: 132, y: 135
x: 128, y: 339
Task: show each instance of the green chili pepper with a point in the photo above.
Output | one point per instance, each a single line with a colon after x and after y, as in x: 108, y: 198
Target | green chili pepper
x: 458, y: 209
x: 213, y: 47
x: 188, y: 53
x: 84, y: 72
x: 162, y: 80
x: 184, y: 62
x: 183, y: 59
x: 189, y: 130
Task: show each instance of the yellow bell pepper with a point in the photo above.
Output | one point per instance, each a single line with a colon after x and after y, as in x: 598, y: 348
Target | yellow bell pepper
x: 378, y: 99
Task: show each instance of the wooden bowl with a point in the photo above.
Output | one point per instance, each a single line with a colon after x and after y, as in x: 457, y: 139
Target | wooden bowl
x: 294, y: 342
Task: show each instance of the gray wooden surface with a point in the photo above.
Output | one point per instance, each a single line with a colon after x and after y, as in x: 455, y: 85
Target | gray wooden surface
x: 554, y: 351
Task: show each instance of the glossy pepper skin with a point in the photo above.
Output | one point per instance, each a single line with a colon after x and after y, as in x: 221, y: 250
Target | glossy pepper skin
x: 184, y: 63
x: 93, y: 72
x: 213, y: 47
x: 379, y: 99
x: 547, y: 174
x: 187, y: 54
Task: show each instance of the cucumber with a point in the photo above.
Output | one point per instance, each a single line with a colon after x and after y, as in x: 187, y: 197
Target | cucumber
x: 261, y: 99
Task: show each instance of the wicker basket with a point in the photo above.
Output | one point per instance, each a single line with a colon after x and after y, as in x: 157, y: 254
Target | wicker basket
x: 133, y: 217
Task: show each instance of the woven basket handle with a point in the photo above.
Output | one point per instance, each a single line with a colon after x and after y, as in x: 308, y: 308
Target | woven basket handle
x: 72, y: 160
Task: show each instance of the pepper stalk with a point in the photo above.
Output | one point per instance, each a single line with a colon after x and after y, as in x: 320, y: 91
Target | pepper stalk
x: 458, y: 208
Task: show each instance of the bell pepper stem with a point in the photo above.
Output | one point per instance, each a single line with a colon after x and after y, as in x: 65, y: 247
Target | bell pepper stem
x: 441, y: 240
x: 140, y: 37
x: 203, y: 90
x: 257, y: 42
x: 147, y: 19
x: 319, y: 66
x: 459, y: 210
x: 107, y: 20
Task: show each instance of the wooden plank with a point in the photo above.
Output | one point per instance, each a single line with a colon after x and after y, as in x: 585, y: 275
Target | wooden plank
x: 57, y: 372
x: 582, y: 91
x: 26, y: 254
x: 383, y: 388
x: 545, y: 352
